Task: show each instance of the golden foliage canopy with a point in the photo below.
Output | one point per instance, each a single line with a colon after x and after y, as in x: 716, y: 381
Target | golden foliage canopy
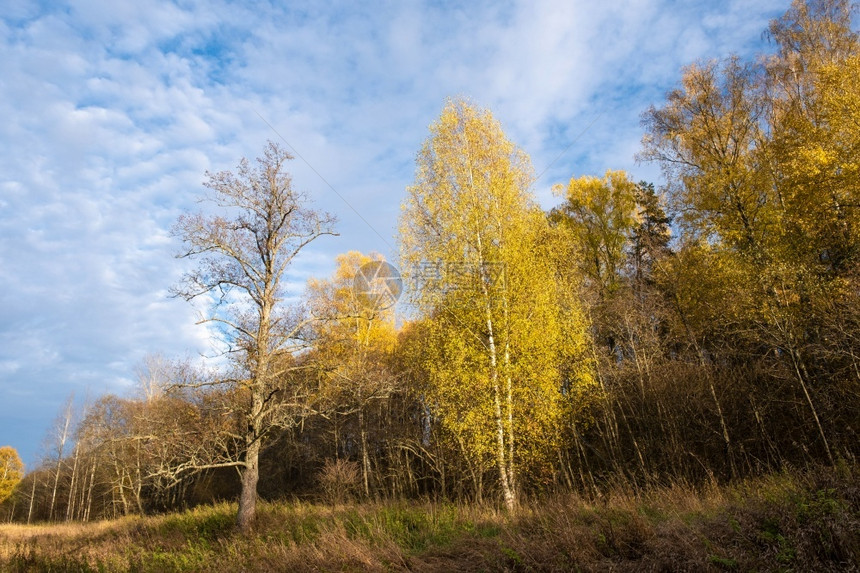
x: 11, y: 471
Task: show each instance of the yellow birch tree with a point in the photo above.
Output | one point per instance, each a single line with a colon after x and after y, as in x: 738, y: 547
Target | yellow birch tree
x: 479, y: 252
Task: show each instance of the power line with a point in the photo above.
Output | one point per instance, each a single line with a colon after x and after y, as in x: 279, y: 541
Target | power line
x: 354, y: 210
x: 330, y: 186
x: 575, y: 139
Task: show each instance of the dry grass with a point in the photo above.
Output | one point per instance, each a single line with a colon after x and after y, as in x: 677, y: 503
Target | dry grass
x: 792, y: 522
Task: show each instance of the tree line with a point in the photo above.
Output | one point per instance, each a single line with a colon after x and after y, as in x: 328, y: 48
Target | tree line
x: 705, y: 330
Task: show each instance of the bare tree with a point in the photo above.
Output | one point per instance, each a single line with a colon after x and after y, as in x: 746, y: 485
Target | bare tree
x: 154, y: 373
x: 60, y: 436
x: 242, y: 257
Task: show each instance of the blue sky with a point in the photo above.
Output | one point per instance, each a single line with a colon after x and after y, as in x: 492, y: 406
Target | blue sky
x: 113, y: 111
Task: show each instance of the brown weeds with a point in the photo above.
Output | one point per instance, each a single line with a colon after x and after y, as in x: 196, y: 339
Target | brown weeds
x: 791, y: 521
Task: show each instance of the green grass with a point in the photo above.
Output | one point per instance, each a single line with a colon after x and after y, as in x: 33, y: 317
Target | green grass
x: 785, y: 522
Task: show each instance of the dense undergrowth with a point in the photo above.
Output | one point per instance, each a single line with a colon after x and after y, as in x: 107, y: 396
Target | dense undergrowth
x: 792, y: 521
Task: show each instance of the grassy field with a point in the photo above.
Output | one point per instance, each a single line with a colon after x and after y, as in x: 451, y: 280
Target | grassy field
x: 798, y: 521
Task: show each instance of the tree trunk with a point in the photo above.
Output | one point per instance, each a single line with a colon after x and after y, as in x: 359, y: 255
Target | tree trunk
x: 723, y: 426
x: 500, y: 445
x: 509, y: 397
x: 70, y: 507
x: 582, y: 456
x: 90, y: 491
x: 248, y: 498
x: 137, y: 483
x: 799, y: 366
x: 565, y: 469
x: 770, y: 447
x: 57, y: 471
x: 610, y: 437
x: 365, y: 459
x: 709, y: 374
x: 78, y: 513
x: 120, y: 476
x: 473, y: 471
x: 509, y: 403
x: 633, y: 439
x: 501, y: 453
x: 32, y: 498
x: 62, y: 437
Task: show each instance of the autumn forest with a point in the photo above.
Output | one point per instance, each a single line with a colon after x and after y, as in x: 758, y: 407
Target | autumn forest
x: 703, y: 330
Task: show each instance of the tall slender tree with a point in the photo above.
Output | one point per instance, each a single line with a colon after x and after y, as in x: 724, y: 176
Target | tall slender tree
x: 60, y: 437
x: 479, y: 249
